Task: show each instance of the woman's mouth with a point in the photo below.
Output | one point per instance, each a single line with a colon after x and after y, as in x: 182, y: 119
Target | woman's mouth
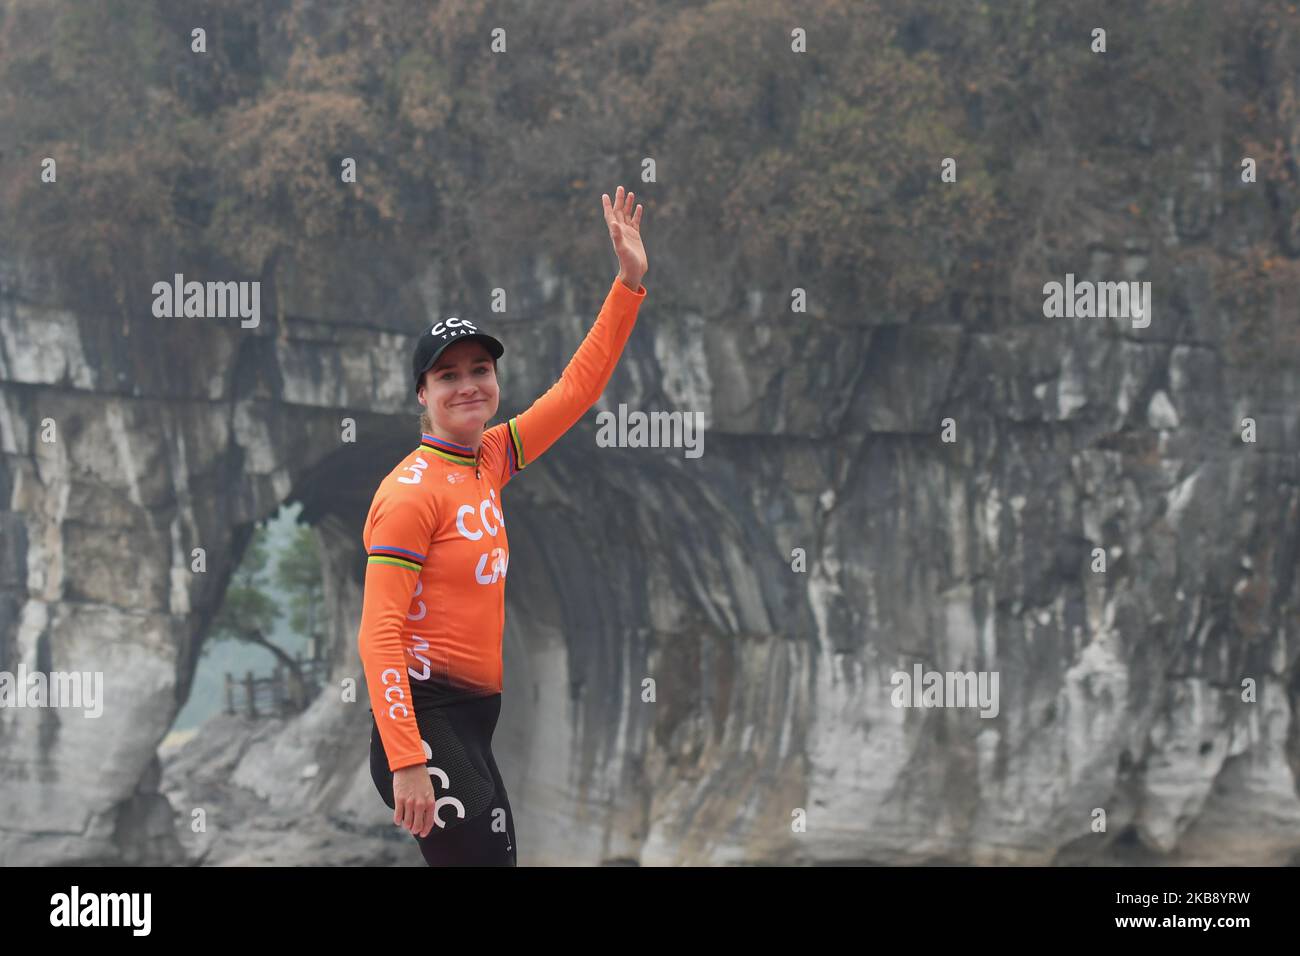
x: 476, y: 401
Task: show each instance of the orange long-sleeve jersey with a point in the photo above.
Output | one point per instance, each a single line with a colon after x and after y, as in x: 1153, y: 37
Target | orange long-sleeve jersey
x: 433, y: 610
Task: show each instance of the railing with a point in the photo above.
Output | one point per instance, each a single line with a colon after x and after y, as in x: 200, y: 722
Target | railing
x: 279, y: 695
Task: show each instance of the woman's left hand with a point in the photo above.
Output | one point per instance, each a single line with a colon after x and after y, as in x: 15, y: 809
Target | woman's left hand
x: 625, y: 233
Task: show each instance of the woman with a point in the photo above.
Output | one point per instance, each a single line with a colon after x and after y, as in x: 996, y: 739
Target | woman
x: 433, y: 610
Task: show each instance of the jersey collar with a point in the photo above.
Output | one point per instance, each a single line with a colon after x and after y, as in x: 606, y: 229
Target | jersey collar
x: 449, y: 450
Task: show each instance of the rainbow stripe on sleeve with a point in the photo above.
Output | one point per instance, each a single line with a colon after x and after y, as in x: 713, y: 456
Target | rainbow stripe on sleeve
x: 515, y: 449
x: 399, y: 557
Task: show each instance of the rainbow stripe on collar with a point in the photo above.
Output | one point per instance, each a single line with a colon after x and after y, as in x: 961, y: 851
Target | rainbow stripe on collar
x: 449, y: 450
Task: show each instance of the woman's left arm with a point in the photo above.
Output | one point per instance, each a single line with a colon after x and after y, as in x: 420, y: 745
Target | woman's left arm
x: 533, y: 431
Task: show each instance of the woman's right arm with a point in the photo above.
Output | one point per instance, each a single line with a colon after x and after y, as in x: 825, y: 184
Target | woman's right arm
x: 398, y: 537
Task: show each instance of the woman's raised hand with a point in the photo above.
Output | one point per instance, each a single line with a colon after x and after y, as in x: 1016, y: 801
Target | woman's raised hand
x: 625, y: 233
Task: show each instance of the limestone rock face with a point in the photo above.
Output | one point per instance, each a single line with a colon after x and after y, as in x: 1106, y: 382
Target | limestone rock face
x: 770, y: 589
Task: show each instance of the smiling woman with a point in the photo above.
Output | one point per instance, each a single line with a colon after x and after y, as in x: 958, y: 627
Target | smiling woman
x: 464, y: 379
x: 433, y: 606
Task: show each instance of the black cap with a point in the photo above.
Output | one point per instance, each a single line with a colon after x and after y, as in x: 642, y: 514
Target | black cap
x: 444, y: 332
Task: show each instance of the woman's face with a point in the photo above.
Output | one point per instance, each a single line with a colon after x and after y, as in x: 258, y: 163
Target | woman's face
x: 460, y: 390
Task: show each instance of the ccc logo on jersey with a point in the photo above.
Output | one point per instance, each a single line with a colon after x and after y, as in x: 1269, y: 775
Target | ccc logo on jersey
x: 491, y: 564
x: 393, y: 693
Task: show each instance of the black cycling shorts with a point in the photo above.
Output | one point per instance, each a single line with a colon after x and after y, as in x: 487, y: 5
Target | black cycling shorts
x: 477, y: 828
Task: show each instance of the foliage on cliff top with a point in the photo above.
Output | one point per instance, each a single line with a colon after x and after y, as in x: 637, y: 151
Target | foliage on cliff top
x: 823, y: 166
